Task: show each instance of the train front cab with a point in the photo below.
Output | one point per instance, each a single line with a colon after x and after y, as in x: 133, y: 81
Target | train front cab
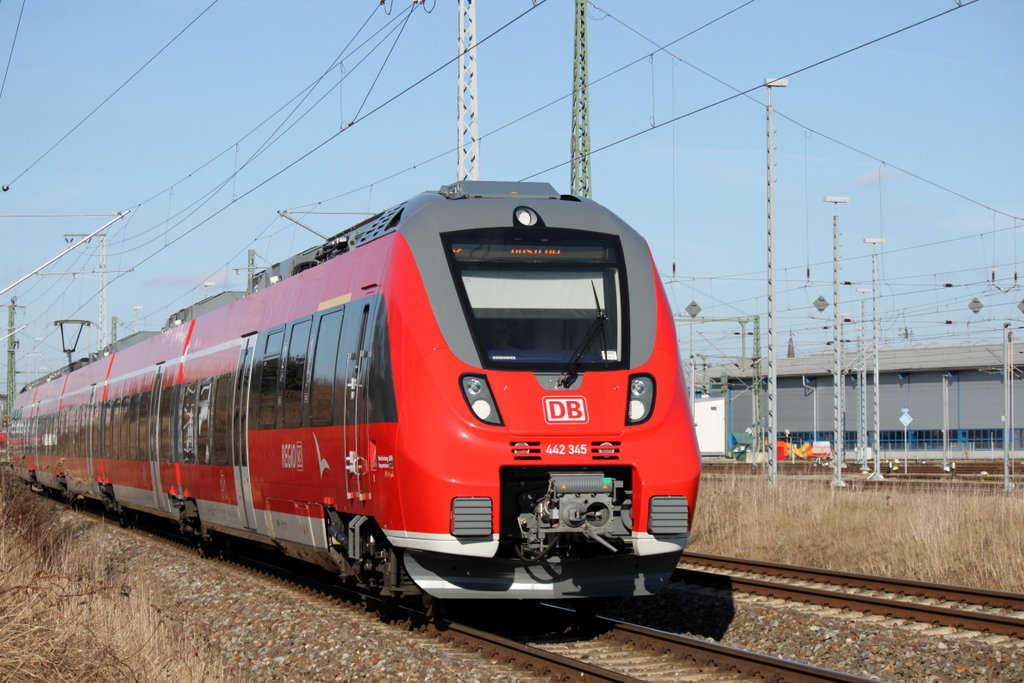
x: 570, y: 469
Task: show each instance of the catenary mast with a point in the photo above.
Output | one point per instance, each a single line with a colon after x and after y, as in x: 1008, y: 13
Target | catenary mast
x: 469, y: 135
x: 580, y: 171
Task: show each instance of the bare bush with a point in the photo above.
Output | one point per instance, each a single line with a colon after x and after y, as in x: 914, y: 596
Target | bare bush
x: 71, y: 612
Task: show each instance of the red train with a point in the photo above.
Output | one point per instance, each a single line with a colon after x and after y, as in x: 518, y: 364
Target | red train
x: 473, y: 394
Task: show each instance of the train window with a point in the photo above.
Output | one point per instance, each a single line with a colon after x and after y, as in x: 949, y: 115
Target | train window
x: 269, y: 380
x: 221, y: 405
x: 240, y: 410
x: 202, y: 425
x: 188, y: 424
x: 107, y: 430
x: 82, y: 433
x: 166, y: 424
x: 144, y: 453
x: 95, y: 417
x: 542, y: 298
x: 325, y: 361
x: 124, y: 417
x: 294, y: 373
x: 129, y: 426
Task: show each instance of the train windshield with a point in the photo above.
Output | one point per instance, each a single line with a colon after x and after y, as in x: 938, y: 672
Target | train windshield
x: 542, y: 299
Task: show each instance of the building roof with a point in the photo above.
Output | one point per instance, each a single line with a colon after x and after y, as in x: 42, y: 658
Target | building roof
x: 917, y: 358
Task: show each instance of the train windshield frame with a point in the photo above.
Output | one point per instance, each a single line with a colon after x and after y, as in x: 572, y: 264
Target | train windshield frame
x: 542, y: 299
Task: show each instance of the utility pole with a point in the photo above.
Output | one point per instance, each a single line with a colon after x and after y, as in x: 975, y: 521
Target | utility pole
x: 101, y: 271
x: 579, y: 179
x: 874, y: 241
x: 101, y: 333
x: 755, y: 380
x: 837, y: 349
x: 862, y: 392
x: 12, y: 345
x: 1008, y: 372
x: 773, y: 427
x: 469, y: 134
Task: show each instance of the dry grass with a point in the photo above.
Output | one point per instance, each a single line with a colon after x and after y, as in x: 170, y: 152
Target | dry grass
x: 956, y: 537
x: 71, y: 614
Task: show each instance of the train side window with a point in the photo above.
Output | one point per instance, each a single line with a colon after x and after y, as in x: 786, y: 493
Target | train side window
x: 269, y: 380
x: 129, y: 426
x: 166, y: 424
x: 112, y: 440
x: 325, y: 361
x: 203, y: 422
x: 117, y: 428
x: 144, y: 453
x: 221, y: 413
x: 295, y: 373
x: 95, y: 419
x: 68, y: 447
x: 240, y: 410
x: 107, y: 430
x: 124, y: 416
x: 188, y: 424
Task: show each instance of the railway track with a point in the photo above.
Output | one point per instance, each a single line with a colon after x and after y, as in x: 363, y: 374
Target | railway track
x: 576, y: 647
x: 987, y: 612
x: 609, y: 650
x: 569, y: 646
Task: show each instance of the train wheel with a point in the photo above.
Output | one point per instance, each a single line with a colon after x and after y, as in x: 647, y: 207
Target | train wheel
x: 212, y: 546
x: 434, y: 607
x: 127, y: 519
x: 586, y: 611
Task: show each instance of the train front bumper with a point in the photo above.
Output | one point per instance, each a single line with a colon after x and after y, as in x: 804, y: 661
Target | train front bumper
x: 461, y: 577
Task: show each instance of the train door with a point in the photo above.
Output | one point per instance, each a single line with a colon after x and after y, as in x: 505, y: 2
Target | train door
x: 240, y: 431
x: 356, y: 335
x: 91, y: 435
x: 151, y: 434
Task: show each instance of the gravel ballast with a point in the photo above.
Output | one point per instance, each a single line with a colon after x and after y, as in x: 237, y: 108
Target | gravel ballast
x: 265, y: 630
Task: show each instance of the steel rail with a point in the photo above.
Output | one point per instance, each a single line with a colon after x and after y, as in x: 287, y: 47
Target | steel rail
x: 752, y: 664
x: 910, y: 587
x: 748, y: 665
x: 894, y: 608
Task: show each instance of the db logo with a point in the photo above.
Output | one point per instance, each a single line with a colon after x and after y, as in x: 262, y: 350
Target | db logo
x: 562, y: 409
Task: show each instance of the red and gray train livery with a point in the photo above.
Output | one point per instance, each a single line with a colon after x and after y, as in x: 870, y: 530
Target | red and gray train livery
x: 475, y: 394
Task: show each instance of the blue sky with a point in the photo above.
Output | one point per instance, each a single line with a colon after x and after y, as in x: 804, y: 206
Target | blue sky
x: 247, y: 112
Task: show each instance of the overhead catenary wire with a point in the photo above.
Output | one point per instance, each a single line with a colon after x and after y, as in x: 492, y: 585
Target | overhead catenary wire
x: 110, y: 96
x: 10, y: 55
x: 210, y: 194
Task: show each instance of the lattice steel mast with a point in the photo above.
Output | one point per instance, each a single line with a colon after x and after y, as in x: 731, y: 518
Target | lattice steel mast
x: 468, y: 163
x: 580, y: 148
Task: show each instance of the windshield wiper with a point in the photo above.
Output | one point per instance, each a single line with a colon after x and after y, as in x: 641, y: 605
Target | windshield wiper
x: 572, y: 368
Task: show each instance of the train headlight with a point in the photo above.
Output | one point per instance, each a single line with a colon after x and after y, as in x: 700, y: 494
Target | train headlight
x: 482, y: 409
x: 478, y: 397
x: 525, y: 216
x: 474, y: 385
x: 640, y: 403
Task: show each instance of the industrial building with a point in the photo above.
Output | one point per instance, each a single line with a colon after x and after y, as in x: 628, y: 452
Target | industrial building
x: 932, y: 399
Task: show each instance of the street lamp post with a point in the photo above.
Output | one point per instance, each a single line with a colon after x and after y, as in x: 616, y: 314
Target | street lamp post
x: 773, y: 428
x: 837, y: 348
